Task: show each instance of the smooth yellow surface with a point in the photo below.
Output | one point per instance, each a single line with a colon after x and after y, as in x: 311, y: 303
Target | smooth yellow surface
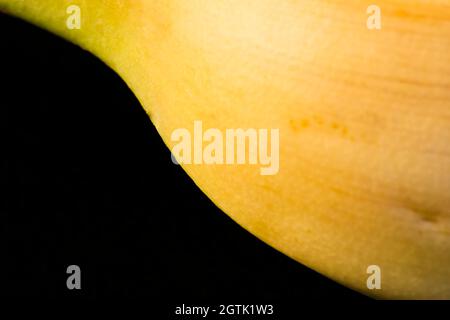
x: 364, y: 119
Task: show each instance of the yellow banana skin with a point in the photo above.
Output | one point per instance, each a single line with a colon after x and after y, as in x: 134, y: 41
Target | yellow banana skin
x: 364, y: 119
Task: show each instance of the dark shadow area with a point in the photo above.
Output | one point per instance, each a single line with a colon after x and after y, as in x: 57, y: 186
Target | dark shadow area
x: 89, y: 182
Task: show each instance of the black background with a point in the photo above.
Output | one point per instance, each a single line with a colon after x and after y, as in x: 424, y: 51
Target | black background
x: 87, y: 180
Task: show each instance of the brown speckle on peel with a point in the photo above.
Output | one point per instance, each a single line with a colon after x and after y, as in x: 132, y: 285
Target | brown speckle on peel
x: 426, y: 215
x: 318, y: 123
x: 304, y: 123
x: 437, y: 220
x: 293, y: 125
x: 297, y: 125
